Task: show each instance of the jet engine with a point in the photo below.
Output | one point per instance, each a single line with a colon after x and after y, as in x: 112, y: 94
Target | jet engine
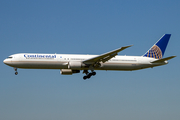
x: 74, y: 65
x: 69, y: 71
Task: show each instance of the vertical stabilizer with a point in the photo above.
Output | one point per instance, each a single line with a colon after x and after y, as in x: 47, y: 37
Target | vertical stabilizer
x: 158, y: 49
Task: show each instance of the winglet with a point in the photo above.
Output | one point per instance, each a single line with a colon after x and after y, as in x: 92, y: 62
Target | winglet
x: 158, y: 49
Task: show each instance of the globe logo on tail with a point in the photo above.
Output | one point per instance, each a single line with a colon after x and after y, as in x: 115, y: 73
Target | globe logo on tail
x: 155, y: 52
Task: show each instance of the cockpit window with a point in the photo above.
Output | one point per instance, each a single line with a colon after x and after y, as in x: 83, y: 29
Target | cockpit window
x: 10, y: 57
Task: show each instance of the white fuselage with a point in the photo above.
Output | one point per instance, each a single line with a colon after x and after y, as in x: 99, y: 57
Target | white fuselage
x: 61, y: 61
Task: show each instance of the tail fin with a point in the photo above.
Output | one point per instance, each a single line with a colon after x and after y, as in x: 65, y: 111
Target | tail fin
x: 158, y: 49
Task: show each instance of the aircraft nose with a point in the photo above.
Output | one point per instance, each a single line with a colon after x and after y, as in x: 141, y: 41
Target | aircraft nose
x: 6, y: 61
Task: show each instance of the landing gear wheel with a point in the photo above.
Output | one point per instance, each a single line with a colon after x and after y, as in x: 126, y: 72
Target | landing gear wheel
x: 16, y: 73
x: 85, y: 77
x: 88, y: 75
x: 93, y: 73
x: 15, y: 70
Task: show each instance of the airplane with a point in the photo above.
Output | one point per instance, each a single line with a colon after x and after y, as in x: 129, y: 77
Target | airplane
x: 73, y: 63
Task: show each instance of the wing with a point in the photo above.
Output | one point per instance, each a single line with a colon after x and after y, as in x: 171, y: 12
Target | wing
x: 104, y: 57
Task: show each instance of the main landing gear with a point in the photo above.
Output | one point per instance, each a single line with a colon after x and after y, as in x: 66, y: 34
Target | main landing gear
x: 15, y: 71
x: 88, y: 75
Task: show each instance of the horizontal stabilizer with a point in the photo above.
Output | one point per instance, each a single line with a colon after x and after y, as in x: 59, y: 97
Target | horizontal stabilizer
x: 164, y: 59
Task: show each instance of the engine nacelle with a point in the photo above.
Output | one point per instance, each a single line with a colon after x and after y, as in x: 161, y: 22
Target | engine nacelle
x: 69, y: 71
x: 75, y: 65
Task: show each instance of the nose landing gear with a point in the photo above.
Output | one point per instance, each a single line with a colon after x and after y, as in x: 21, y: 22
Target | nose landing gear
x: 88, y: 75
x: 15, y: 71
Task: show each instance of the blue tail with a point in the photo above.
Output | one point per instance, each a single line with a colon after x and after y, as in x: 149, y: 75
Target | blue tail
x: 158, y: 49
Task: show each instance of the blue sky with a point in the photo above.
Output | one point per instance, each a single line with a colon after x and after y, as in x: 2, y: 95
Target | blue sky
x: 89, y: 27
